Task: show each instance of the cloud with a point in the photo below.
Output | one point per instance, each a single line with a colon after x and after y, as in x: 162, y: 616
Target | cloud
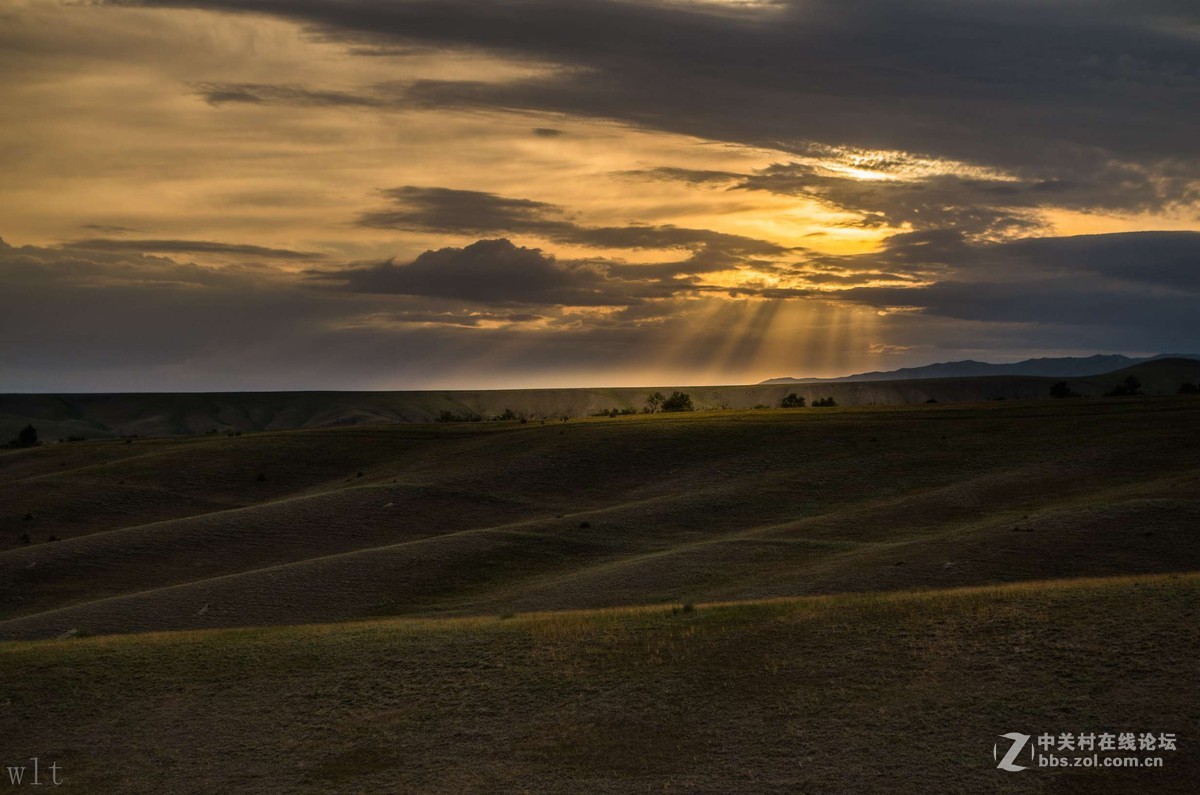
x: 495, y: 314
x: 446, y: 210
x: 124, y: 321
x: 1136, y: 290
x: 486, y: 272
x: 1084, y: 107
x: 995, y: 206
x: 1149, y: 259
x: 191, y: 247
x: 108, y: 229
x: 468, y: 212
x: 468, y: 318
x: 691, y: 176
x: 264, y: 93
x: 1060, y: 86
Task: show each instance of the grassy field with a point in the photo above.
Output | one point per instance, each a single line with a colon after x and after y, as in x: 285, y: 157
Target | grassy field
x: 493, y: 518
x: 854, y: 693
x: 878, y: 594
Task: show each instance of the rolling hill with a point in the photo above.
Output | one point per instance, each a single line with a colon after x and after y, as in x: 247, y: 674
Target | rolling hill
x: 819, y: 599
x: 488, y: 518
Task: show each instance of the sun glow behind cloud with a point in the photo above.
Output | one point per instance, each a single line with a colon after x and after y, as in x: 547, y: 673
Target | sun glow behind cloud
x: 264, y: 150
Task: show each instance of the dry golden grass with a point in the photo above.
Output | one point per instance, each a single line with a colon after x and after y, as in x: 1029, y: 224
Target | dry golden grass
x: 854, y: 600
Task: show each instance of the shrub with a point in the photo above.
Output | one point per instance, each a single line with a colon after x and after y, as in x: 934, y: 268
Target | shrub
x: 792, y: 401
x: 654, y: 402
x: 678, y: 401
x: 825, y: 401
x: 445, y: 415
x: 28, y: 437
x: 1063, y: 390
x: 616, y: 412
x: 1130, y: 386
x: 1189, y: 389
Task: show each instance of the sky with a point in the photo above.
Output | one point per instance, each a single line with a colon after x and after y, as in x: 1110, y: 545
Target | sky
x: 207, y: 195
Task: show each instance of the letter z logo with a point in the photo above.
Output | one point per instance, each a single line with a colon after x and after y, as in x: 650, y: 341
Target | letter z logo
x: 1018, y: 742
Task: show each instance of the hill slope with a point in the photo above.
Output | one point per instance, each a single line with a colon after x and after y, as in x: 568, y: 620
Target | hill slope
x: 490, y: 518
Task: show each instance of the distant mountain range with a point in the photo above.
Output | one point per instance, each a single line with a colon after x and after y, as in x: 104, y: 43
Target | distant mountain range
x: 1064, y: 367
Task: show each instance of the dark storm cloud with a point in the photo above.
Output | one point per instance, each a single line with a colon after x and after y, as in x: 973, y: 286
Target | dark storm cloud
x: 191, y: 247
x: 497, y: 272
x: 1149, y: 260
x: 486, y: 272
x: 1026, y: 86
x: 1167, y: 259
x: 468, y: 212
x: 1143, y: 285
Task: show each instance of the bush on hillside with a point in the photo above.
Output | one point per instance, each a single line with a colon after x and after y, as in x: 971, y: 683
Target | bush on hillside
x: 28, y: 437
x: 678, y: 401
x: 614, y: 412
x: 1063, y: 390
x: 1130, y: 386
x: 792, y: 401
x: 445, y: 415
